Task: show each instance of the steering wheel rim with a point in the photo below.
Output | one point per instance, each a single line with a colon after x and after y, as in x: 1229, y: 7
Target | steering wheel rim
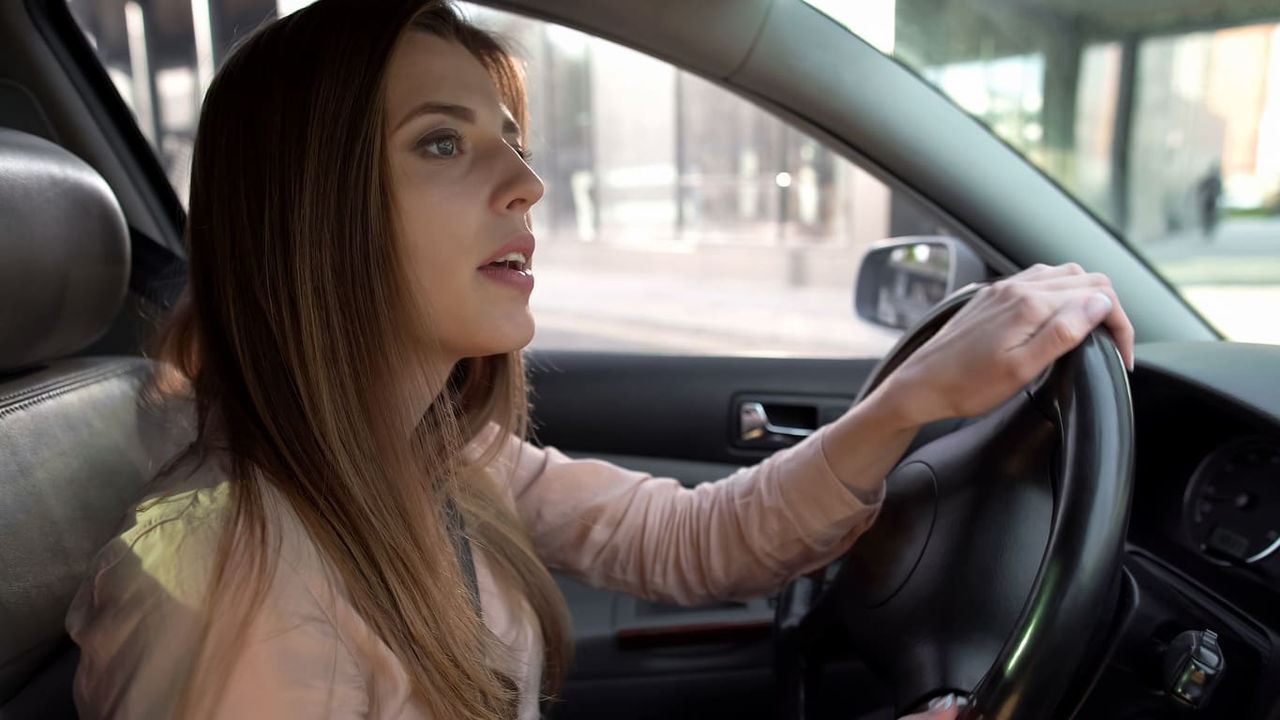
x: 1077, y: 420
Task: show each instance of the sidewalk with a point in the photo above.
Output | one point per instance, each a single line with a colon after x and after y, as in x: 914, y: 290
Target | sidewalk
x: 1244, y: 251
x: 1233, y: 278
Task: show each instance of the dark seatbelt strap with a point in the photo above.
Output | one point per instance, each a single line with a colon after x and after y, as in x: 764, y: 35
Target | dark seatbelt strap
x: 462, y: 546
x: 156, y: 273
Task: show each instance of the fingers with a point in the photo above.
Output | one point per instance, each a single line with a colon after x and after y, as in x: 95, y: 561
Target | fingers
x: 1072, y: 277
x: 1040, y: 271
x: 1069, y: 282
x: 1121, y: 328
x: 1075, y: 318
x: 948, y: 714
x: 946, y: 707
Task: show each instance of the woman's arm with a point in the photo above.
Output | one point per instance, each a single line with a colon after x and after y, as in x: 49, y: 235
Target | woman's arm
x: 864, y: 444
x: 138, y: 620
x: 740, y: 537
x: 804, y: 506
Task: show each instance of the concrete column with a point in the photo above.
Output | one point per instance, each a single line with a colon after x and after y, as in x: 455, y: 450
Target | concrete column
x: 1123, y: 135
x: 1058, y: 113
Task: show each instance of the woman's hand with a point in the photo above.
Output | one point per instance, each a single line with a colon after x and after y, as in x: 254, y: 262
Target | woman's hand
x: 1001, y: 340
x: 946, y: 707
x: 947, y: 714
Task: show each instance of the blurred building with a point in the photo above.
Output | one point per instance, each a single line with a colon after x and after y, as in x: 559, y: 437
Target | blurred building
x: 1129, y: 108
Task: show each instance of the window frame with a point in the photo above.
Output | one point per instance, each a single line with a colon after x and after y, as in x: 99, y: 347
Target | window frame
x: 113, y: 120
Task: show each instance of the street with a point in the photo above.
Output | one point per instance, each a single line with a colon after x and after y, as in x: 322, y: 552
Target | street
x: 1232, y: 279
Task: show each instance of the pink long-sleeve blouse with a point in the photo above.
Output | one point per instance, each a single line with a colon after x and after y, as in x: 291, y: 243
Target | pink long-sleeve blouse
x: 309, y: 655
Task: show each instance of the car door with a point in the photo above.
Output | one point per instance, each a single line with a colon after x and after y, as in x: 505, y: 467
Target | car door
x: 673, y: 416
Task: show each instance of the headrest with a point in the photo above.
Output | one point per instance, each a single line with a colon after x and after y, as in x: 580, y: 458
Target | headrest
x: 64, y: 252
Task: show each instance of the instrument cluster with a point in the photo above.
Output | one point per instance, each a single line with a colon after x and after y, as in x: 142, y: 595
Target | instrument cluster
x: 1231, y: 507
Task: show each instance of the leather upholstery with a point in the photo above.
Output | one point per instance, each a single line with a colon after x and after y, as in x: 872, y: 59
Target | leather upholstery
x: 70, y: 464
x: 64, y: 252
x: 77, y: 441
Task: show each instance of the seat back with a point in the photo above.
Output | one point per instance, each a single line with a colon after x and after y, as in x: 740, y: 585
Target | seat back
x: 76, y: 443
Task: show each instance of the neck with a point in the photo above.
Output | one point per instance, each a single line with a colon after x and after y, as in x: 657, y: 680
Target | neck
x: 423, y: 385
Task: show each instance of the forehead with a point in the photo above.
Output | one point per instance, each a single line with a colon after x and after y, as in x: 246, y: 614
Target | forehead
x: 427, y: 67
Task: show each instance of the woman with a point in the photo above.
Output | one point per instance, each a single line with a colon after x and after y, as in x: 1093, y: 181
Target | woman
x: 359, y: 528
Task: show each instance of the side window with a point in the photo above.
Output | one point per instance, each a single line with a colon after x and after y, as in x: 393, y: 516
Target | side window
x: 678, y: 217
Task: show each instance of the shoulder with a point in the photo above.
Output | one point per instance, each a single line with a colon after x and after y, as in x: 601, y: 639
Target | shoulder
x: 171, y: 538
x: 140, y: 617
x: 514, y: 463
x: 140, y: 607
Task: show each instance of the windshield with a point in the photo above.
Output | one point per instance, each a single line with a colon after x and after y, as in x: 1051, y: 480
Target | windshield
x: 1160, y: 116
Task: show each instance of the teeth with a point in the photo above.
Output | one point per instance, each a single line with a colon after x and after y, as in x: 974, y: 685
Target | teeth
x: 514, y: 261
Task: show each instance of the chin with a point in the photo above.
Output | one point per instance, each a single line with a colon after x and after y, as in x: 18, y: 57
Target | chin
x: 512, y: 338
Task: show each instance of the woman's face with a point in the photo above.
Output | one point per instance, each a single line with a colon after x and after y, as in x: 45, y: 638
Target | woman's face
x: 462, y: 192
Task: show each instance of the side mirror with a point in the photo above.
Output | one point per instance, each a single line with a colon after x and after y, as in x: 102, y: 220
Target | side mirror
x: 902, y: 278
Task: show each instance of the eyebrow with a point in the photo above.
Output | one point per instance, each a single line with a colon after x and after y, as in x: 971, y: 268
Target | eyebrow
x: 459, y: 112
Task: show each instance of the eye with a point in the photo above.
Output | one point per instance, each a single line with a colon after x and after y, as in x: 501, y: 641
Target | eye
x: 445, y: 144
x: 525, y: 153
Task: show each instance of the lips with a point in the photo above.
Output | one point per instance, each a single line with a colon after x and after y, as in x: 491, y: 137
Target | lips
x: 511, y: 264
x: 522, y: 243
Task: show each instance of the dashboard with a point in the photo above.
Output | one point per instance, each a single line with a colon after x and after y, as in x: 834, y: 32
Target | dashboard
x: 1231, y: 507
x: 1207, y: 475
x: 1204, y: 531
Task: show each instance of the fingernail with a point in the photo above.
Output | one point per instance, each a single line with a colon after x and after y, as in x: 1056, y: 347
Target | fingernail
x: 1098, y: 305
x: 945, y: 702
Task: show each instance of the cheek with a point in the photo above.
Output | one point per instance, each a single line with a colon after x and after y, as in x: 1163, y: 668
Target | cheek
x: 425, y: 224
x: 440, y: 253
x: 436, y: 267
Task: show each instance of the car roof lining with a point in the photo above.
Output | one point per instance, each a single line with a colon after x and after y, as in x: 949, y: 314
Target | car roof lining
x: 709, y: 37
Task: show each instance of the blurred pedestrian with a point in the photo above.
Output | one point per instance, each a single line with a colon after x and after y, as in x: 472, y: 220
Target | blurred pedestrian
x: 1208, y: 191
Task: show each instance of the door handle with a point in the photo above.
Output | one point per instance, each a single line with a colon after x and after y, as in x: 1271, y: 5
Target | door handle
x: 753, y: 423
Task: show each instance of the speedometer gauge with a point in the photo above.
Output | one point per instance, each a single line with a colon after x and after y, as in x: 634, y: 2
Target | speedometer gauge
x: 1232, y: 504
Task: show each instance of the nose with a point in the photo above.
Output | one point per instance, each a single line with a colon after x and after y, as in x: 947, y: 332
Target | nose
x: 519, y: 187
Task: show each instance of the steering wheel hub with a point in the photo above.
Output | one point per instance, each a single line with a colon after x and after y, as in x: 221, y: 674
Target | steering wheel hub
x: 882, y: 560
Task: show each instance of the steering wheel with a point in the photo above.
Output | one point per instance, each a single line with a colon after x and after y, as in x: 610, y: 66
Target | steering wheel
x: 993, y: 568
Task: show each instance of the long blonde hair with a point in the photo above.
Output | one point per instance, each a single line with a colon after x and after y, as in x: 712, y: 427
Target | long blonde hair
x: 295, y: 331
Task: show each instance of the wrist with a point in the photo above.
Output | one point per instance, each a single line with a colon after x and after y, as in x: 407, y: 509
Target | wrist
x: 865, y: 443
x: 892, y: 406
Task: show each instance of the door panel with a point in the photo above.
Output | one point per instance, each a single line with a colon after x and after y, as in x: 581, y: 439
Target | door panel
x: 675, y: 417
x: 672, y: 407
